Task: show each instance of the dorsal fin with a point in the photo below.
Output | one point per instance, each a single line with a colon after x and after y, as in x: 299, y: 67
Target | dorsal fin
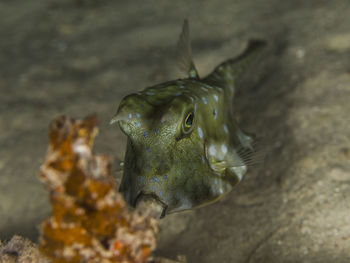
x: 184, y: 53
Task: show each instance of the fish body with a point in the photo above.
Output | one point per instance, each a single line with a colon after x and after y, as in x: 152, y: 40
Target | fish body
x: 185, y: 148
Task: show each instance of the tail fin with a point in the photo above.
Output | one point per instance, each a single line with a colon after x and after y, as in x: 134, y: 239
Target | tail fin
x: 229, y: 71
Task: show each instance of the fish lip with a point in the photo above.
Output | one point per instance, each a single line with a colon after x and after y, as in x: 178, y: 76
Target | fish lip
x: 150, y: 199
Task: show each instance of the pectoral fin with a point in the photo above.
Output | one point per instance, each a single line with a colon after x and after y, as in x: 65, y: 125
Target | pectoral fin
x: 218, y: 166
x: 233, y: 175
x: 233, y: 165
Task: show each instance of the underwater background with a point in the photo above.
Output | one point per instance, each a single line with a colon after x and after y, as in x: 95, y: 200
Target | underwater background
x: 81, y: 57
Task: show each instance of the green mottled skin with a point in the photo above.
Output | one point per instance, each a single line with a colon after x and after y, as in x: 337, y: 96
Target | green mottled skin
x: 181, y: 167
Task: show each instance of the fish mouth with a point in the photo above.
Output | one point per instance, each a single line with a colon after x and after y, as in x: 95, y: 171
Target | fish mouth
x: 153, y: 202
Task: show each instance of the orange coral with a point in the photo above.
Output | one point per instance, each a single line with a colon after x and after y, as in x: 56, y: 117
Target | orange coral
x: 90, y: 221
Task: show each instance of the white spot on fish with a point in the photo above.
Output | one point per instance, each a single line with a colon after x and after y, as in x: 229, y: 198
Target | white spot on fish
x: 138, y: 124
x: 200, y: 132
x: 224, y: 148
x: 204, y: 100
x: 239, y: 171
x: 216, y: 97
x: 225, y: 128
x: 212, y: 150
x: 240, y: 176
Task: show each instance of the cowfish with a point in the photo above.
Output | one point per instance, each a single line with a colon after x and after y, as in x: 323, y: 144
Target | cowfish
x: 184, y: 146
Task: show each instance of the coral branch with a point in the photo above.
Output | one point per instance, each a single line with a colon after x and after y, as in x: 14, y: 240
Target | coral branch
x: 90, y: 221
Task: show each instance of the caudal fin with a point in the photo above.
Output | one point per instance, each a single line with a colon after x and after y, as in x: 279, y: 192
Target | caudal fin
x: 229, y: 71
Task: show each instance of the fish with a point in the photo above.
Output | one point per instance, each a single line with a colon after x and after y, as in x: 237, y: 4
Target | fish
x: 184, y: 147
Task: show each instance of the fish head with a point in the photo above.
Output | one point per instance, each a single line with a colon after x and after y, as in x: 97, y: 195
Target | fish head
x: 166, y: 152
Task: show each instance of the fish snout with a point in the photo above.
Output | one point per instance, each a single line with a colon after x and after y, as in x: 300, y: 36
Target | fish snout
x: 152, y: 202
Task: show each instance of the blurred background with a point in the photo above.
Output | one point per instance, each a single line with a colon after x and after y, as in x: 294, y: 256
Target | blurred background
x: 81, y: 57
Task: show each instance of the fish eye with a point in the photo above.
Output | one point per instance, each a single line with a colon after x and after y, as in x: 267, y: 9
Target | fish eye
x: 188, y: 122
